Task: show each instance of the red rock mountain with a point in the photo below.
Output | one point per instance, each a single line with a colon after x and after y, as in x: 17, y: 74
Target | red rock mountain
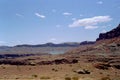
x: 111, y: 34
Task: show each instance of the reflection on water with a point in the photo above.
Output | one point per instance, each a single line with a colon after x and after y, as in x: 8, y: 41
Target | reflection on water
x: 34, y: 50
x: 57, y: 50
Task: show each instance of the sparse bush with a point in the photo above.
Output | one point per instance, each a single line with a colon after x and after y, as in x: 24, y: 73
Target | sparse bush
x: 101, y: 73
x: 67, y: 78
x: 3, y: 67
x: 45, y: 77
x: 105, y: 78
x: 116, y: 78
x: 75, y: 78
x: 66, y: 74
x: 54, y: 70
x: 35, y: 76
x: 70, y: 65
x: 17, y: 78
x: 29, y: 68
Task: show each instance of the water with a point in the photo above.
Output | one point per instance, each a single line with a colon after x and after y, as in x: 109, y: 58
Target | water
x: 34, y: 50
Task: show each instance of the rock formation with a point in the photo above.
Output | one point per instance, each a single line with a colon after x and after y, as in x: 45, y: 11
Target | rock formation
x: 111, y: 34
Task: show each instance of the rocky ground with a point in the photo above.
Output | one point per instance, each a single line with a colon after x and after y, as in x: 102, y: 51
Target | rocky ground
x: 100, y: 61
x: 61, y: 67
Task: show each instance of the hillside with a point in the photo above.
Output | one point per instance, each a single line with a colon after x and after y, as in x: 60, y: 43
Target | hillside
x: 111, y: 34
x: 108, y: 42
x: 50, y: 48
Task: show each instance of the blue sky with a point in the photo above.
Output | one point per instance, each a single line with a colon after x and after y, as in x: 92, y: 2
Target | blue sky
x: 42, y: 21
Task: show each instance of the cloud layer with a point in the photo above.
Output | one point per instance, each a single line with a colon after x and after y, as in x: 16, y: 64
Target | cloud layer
x: 90, y: 23
x: 39, y: 15
x: 99, y: 2
x: 2, y: 43
x: 67, y: 14
x: 19, y: 15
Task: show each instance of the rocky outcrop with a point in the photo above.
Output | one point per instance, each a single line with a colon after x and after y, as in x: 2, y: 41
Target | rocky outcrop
x: 19, y: 55
x: 111, y: 34
x: 32, y: 63
x: 82, y: 71
x: 87, y: 42
x: 13, y: 62
x: 103, y: 66
x: 58, y: 61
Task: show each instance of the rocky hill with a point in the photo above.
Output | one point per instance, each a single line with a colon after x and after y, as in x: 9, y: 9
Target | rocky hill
x: 87, y: 42
x: 68, y: 44
x: 111, y: 34
x: 107, y: 43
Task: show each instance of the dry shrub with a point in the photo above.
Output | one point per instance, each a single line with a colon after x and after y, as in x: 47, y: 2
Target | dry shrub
x: 45, y: 77
x: 105, y: 78
x: 67, y: 78
x: 75, y: 78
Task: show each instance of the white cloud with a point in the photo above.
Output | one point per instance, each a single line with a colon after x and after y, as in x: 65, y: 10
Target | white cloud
x: 99, y: 2
x: 19, y: 15
x: 103, y: 31
x: 67, y: 14
x: 53, y: 39
x: 91, y: 27
x: 39, y: 15
x: 2, y: 42
x: 90, y: 23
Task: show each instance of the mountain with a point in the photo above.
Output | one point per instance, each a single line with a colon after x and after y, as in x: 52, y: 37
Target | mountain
x: 67, y: 44
x: 40, y: 49
x: 107, y: 43
x: 111, y: 34
x: 87, y: 42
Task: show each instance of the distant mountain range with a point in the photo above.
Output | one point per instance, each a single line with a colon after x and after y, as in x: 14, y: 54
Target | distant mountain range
x: 67, y: 44
x: 72, y: 44
x: 51, y: 48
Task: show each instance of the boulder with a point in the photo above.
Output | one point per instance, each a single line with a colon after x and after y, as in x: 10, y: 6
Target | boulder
x: 82, y: 71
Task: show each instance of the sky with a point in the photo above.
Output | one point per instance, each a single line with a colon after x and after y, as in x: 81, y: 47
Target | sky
x: 42, y: 21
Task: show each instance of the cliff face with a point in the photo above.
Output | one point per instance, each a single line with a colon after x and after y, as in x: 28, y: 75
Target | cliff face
x: 111, y: 34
